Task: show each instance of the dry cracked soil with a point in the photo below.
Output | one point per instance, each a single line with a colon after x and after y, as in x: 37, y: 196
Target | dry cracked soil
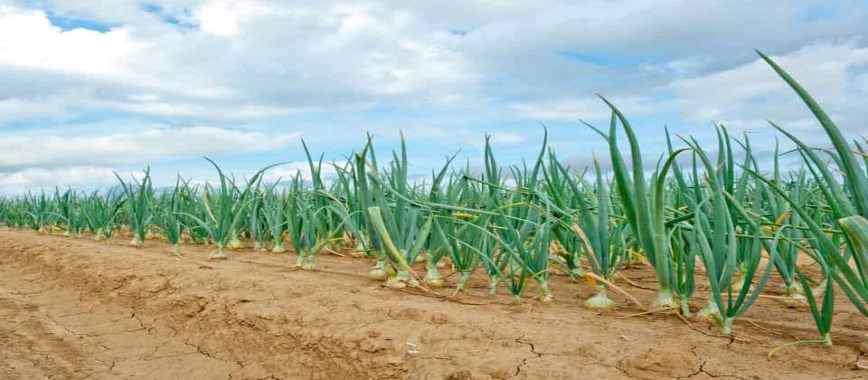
x: 78, y: 309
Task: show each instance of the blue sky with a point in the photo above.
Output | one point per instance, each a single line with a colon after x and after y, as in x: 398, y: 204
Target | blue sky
x: 88, y: 87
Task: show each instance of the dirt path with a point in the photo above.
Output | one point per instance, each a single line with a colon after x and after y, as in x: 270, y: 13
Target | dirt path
x: 75, y: 309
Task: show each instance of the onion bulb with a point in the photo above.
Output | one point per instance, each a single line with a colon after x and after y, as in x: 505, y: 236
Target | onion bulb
x: 599, y: 301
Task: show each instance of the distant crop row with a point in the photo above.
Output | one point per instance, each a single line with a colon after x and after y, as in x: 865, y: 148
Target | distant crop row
x: 722, y: 215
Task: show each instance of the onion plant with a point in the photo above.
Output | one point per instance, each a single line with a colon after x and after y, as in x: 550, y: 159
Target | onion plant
x: 393, y: 221
x: 225, y: 207
x: 457, y: 233
x: 13, y: 214
x: 779, y: 213
x: 605, y: 245
x: 438, y: 245
x: 407, y: 244
x: 168, y: 215
x: 684, y: 197
x: 69, y: 212
x: 584, y: 226
x: 257, y: 228
x: 359, y: 179
x: 563, y: 191
x: 101, y: 211
x: 521, y: 230
x: 644, y: 209
x: 139, y: 195
x: 400, y: 226
x: 273, y: 207
x: 345, y: 202
x: 308, y: 216
x: 847, y: 207
x: 39, y: 211
x: 306, y: 225
x: 720, y: 245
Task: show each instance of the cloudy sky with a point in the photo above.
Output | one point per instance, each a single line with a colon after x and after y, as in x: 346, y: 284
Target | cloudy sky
x: 88, y: 86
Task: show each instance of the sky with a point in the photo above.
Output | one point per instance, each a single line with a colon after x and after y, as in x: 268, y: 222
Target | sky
x: 89, y: 87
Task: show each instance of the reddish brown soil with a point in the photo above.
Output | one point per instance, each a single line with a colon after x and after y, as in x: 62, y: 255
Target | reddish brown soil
x: 76, y: 309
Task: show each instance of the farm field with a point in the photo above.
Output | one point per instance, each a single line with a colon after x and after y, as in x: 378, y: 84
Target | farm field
x: 673, y: 256
x: 458, y: 190
x: 74, y: 309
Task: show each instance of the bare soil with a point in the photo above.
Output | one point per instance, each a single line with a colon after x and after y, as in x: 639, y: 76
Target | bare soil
x: 78, y: 309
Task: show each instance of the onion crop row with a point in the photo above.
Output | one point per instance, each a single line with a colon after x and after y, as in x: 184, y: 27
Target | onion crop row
x: 723, y: 217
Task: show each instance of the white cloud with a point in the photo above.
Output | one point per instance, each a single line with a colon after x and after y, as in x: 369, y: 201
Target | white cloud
x: 831, y: 72
x: 28, y: 40
x: 222, y: 17
x: 231, y: 56
x: 286, y: 172
x: 458, y: 137
x: 239, y: 59
x: 506, y: 138
x: 154, y: 106
x: 46, y: 151
x: 587, y: 108
x: 17, y: 109
x: 37, y: 178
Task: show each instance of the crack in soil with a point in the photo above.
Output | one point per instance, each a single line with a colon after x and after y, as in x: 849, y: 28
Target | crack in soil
x: 525, y: 360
